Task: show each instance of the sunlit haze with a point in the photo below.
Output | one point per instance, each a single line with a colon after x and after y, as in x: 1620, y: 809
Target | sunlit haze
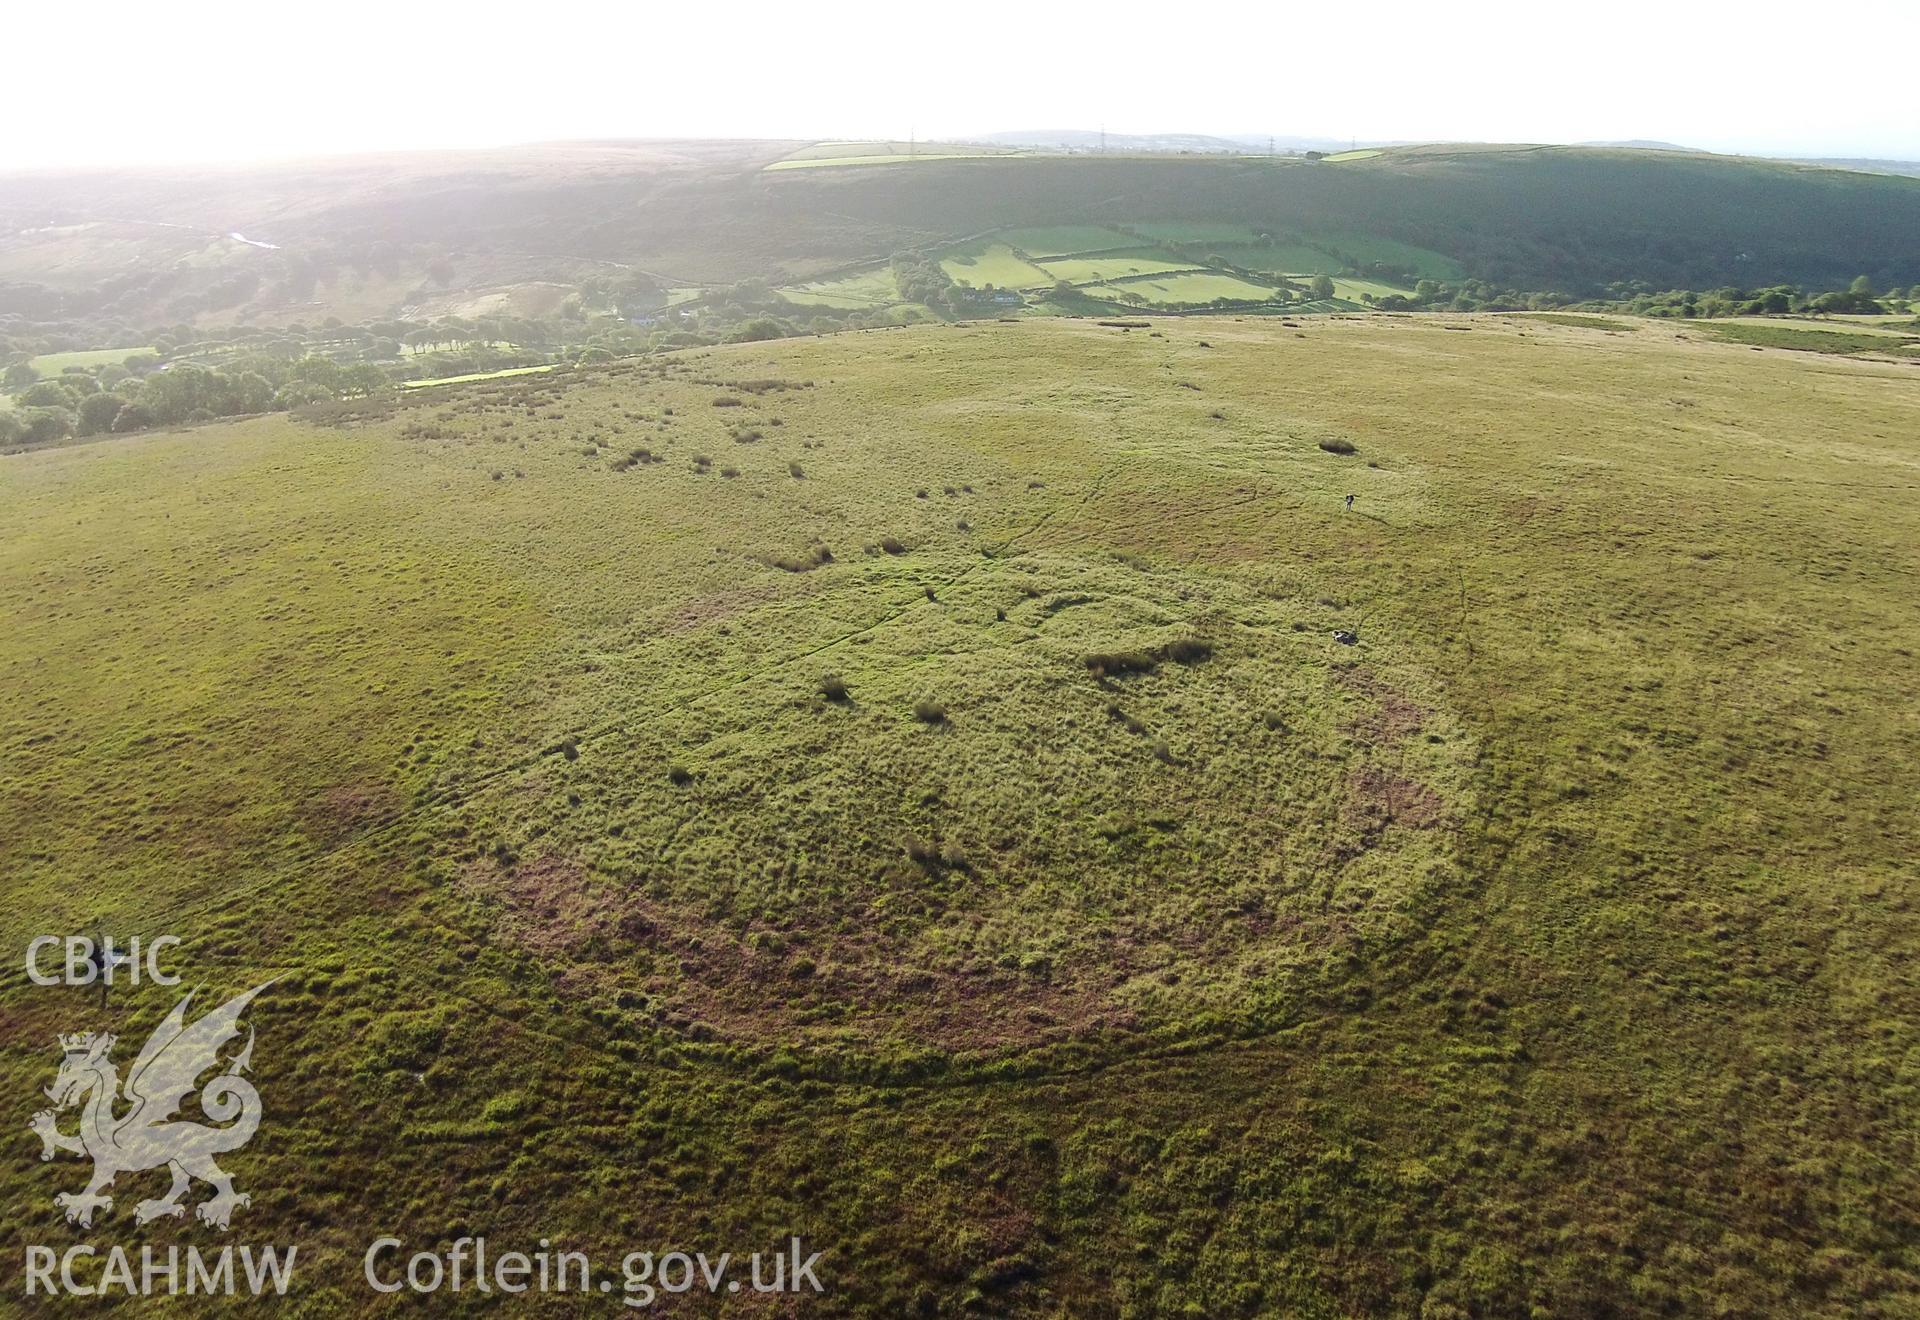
x: 231, y: 82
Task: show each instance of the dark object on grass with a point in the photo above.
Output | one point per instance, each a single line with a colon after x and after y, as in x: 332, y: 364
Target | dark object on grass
x: 929, y: 712
x: 833, y: 687
x: 1338, y: 445
x: 1113, y: 664
x: 679, y: 774
x: 1346, y: 638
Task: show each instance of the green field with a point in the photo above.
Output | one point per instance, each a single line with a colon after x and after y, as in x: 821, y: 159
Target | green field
x: 1118, y: 943
x: 1354, y: 290
x: 1197, y: 235
x: 1066, y: 240
x: 1580, y: 321
x: 52, y: 364
x: 981, y: 264
x: 478, y: 375
x: 1284, y: 259
x: 1114, y: 266
x: 1761, y: 335
x: 1194, y: 288
x: 1368, y: 248
x: 871, y: 288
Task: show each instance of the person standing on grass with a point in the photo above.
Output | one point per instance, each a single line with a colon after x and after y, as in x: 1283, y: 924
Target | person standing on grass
x: 1349, y: 504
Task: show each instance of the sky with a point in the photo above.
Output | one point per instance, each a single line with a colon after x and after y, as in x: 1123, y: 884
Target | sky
x: 146, y: 84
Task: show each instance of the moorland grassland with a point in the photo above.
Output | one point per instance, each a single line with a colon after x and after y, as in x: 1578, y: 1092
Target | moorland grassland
x: 900, y: 788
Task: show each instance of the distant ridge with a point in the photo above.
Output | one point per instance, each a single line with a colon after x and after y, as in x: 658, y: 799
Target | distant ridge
x: 1083, y: 139
x: 1910, y: 168
x: 1640, y: 144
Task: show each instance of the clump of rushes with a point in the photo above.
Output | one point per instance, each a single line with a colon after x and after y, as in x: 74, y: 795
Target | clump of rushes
x: 833, y: 687
x: 678, y: 774
x: 928, y: 711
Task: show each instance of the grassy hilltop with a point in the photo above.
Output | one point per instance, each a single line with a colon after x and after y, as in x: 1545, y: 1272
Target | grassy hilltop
x: 900, y: 788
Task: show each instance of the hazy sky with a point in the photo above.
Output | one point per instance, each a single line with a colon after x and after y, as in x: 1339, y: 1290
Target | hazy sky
x: 146, y: 83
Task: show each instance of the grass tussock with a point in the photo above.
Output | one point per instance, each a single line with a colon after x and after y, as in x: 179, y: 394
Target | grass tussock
x: 814, y: 556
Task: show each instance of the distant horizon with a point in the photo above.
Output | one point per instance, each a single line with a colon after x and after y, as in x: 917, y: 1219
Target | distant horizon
x: 383, y: 78
x: 1054, y: 138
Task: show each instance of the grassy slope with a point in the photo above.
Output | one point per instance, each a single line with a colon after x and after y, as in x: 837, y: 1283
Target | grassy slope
x: 1550, y: 949
x: 1572, y: 218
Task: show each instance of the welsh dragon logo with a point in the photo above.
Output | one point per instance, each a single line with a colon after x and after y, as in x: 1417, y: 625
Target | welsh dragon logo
x: 149, y: 1134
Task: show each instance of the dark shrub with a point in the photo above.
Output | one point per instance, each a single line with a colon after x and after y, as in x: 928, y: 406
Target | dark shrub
x: 1337, y: 445
x: 1114, y: 664
x: 929, y: 712
x: 833, y: 687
